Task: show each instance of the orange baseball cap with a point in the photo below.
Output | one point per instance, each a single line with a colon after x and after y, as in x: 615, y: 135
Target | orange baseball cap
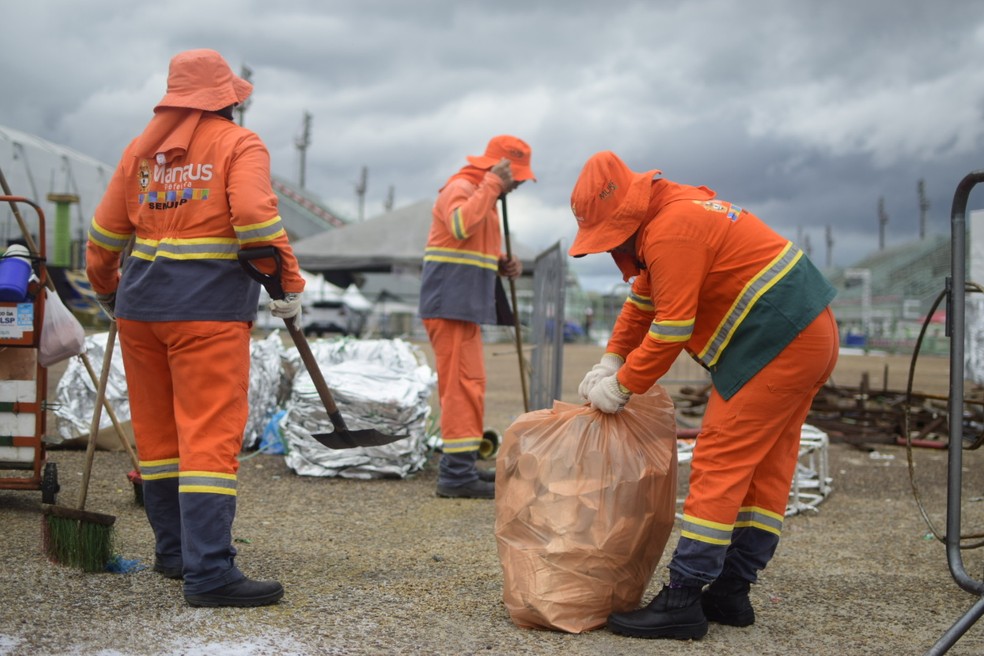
x: 515, y: 150
x: 609, y: 201
x: 201, y: 79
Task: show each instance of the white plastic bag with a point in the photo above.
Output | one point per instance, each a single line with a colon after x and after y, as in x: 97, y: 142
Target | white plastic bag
x: 62, y: 336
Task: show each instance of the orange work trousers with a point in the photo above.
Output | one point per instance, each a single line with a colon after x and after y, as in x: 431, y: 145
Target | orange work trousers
x: 460, y: 361
x: 744, y: 460
x: 188, y: 385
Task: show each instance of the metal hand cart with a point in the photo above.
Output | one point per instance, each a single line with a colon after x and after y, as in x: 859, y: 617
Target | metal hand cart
x: 24, y: 382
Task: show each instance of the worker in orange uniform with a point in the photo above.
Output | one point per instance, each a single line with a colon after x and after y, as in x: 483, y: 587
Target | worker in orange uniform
x: 710, y: 278
x: 189, y: 193
x: 458, y: 294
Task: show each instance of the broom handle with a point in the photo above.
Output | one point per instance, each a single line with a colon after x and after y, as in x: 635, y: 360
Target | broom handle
x: 90, y: 448
x: 116, y: 422
x: 515, y: 307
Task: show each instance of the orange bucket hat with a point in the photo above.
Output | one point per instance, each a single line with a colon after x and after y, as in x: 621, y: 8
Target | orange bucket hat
x: 515, y: 150
x: 201, y: 79
x: 609, y: 201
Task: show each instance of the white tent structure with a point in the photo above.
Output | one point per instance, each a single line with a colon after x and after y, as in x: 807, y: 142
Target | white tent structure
x: 35, y: 168
x: 393, y: 242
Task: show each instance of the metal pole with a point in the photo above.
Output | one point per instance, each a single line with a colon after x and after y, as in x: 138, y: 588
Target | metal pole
x: 515, y: 307
x: 955, y: 330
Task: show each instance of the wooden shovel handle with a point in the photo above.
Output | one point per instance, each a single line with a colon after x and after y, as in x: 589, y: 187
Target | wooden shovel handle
x: 271, y: 282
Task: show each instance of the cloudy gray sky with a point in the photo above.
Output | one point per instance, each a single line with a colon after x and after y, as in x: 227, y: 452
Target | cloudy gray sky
x: 806, y: 113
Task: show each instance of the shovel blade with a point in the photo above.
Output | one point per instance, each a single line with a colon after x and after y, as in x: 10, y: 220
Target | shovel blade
x: 349, y: 439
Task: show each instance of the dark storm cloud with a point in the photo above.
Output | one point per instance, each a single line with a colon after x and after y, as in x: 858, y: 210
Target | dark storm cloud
x: 806, y: 113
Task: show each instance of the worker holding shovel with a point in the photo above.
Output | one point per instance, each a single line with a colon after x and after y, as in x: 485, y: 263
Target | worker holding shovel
x: 191, y: 191
x: 711, y: 278
x: 458, y: 294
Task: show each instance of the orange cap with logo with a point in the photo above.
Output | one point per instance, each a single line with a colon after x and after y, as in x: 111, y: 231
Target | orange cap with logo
x: 201, y: 79
x: 515, y: 150
x: 609, y: 201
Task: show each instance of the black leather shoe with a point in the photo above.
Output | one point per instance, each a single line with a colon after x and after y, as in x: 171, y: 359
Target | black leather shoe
x: 242, y: 593
x: 487, y: 475
x: 673, y: 613
x: 168, y: 572
x: 726, y: 602
x: 477, y: 489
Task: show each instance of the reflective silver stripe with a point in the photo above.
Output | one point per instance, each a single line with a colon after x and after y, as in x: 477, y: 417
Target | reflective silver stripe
x: 209, y: 482
x: 671, y: 331
x: 461, y: 445
x: 157, y: 469
x: 759, y: 518
x: 704, y: 530
x: 109, y: 240
x: 265, y: 231
x: 458, y: 225
x: 187, y: 249
x: 641, y: 302
x: 455, y: 256
x: 754, y: 290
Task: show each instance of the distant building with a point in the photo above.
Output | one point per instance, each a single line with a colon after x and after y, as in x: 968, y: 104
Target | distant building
x: 884, y: 299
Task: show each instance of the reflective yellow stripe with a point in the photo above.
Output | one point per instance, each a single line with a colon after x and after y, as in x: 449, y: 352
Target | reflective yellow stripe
x: 672, y: 331
x: 111, y: 241
x: 264, y: 231
x: 644, y: 303
x: 212, y: 248
x: 207, y: 482
x: 457, y: 225
x: 153, y: 470
x: 703, y: 530
x: 457, y: 256
x: 461, y: 444
x: 190, y: 489
x: 760, y: 518
x: 761, y: 283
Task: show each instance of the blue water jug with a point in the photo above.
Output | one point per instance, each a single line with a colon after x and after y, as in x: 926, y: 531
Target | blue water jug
x: 15, y: 272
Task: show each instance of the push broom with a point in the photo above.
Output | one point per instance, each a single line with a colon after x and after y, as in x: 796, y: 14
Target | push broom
x: 75, y: 536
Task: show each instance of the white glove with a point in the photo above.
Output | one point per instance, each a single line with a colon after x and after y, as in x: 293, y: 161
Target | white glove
x: 608, y: 396
x: 610, y: 364
x: 108, y: 304
x: 288, y: 307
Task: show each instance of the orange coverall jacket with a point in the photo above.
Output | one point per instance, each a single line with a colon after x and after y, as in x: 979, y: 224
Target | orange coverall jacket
x: 190, y: 216
x: 461, y: 261
x: 720, y: 283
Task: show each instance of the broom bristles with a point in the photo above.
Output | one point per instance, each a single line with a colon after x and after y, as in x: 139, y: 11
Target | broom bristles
x: 77, y: 542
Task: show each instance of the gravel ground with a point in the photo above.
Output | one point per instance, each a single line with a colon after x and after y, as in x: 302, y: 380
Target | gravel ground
x: 386, y: 567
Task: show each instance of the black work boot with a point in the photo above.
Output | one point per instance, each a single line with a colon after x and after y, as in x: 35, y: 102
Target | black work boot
x: 459, y: 478
x: 726, y: 602
x: 477, y: 489
x: 487, y: 475
x: 242, y: 593
x: 673, y: 613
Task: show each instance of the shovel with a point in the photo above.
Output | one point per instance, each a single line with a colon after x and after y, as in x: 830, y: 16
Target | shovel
x: 342, y: 437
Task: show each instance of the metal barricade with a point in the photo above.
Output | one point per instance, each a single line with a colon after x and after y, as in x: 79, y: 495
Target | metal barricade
x: 547, y: 327
x: 955, y: 328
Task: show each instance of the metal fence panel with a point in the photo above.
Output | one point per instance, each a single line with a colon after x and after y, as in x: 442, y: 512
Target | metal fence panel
x: 547, y: 327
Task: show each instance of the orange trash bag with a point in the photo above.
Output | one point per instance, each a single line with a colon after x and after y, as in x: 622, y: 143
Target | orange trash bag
x: 585, y: 503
